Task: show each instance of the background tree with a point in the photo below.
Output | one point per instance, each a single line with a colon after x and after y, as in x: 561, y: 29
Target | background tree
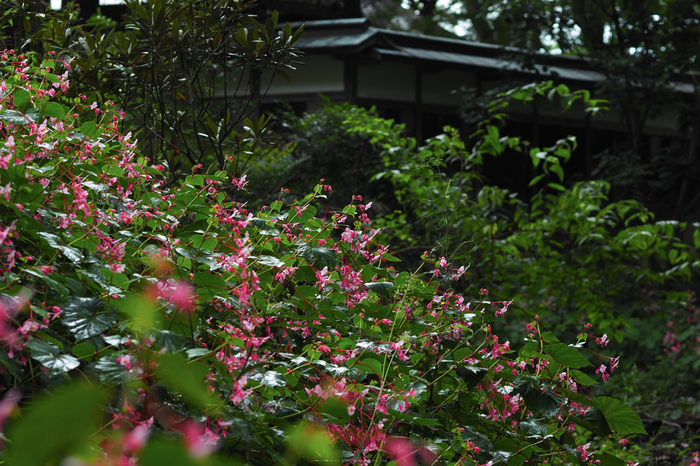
x: 647, y: 51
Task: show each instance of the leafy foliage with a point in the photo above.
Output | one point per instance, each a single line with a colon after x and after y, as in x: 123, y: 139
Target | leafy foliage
x: 568, y: 256
x: 223, y: 335
x: 187, y: 75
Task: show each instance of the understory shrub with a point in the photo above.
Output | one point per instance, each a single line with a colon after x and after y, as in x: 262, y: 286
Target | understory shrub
x: 567, y: 255
x: 145, y: 322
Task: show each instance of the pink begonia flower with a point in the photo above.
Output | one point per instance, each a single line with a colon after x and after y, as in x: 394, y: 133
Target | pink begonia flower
x: 136, y: 439
x: 199, y: 440
x: 30, y: 326
x: 583, y: 449
x: 6, y: 191
x: 10, y: 142
x: 182, y: 296
x: 7, y: 405
x: 401, y: 450
x: 237, y: 392
x: 125, y: 361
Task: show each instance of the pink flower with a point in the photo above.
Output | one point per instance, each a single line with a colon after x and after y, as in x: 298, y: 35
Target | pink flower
x: 7, y: 405
x: 401, y: 450
x: 10, y: 143
x: 182, y: 296
x: 30, y: 326
x: 125, y: 361
x: 199, y: 440
x: 237, y: 392
x: 136, y: 439
x: 240, y: 183
x: 322, y: 279
x: 583, y: 449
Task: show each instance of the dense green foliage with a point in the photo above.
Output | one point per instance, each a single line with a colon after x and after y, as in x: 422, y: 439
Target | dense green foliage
x: 188, y: 75
x: 568, y: 255
x: 144, y: 304
x: 196, y: 332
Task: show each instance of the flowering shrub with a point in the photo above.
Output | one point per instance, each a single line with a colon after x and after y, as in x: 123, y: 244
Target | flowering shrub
x: 171, y: 324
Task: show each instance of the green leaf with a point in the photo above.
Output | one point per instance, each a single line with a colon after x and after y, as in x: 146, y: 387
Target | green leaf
x: 14, y: 117
x: 313, y: 443
x: 194, y: 353
x: 85, y: 317
x: 160, y: 453
x: 582, y: 378
x: 534, y: 428
x: 370, y: 366
x: 55, y: 110
x: 55, y: 242
x: 606, y: 459
x: 12, y: 365
x: 83, y: 350
x: 556, y: 186
x: 270, y: 379
x: 334, y: 409
x: 55, y: 426
x: 110, y: 371
x: 90, y: 129
x: 171, y: 341
x: 53, y: 284
x: 318, y: 254
x: 593, y: 421
x: 542, y: 403
x: 209, y: 280
x: 619, y: 416
x: 186, y: 379
x: 381, y: 288
x: 270, y: 261
x: 141, y: 309
x: 472, y: 375
x: 49, y: 355
x: 566, y: 356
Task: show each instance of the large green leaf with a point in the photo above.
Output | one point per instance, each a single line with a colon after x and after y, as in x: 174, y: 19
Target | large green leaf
x: 271, y: 261
x: 186, y: 379
x: 313, y: 443
x: 534, y: 428
x: 209, y: 280
x: 55, y: 242
x: 14, y: 117
x: 606, y: 459
x: 51, y: 357
x: 86, y: 317
x: 381, y: 288
x: 170, y: 340
x: 270, y: 379
x: 53, y: 284
x: 566, y: 355
x: 55, y: 110
x: 110, y: 371
x: 12, y: 365
x: 318, y: 254
x: 159, y: 453
x: 55, y: 426
x: 540, y: 400
x: 619, y: 416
